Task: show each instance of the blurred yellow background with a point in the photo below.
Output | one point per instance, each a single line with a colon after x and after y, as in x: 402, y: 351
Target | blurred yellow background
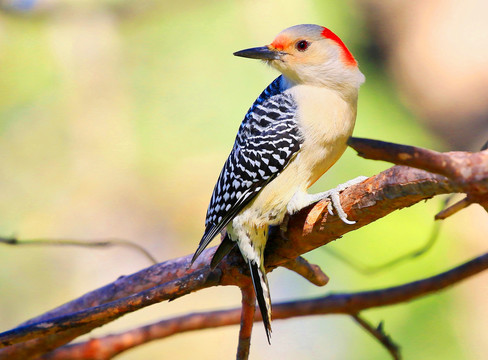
x: 116, y: 117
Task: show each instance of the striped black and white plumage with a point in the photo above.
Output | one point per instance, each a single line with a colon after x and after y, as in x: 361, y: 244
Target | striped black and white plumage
x: 266, y: 141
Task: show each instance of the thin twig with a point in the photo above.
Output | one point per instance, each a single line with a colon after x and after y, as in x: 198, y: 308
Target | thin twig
x: 82, y: 243
x: 453, y: 209
x: 311, y: 272
x: 380, y: 335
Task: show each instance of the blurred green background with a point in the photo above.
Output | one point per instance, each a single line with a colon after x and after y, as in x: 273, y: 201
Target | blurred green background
x: 115, y: 119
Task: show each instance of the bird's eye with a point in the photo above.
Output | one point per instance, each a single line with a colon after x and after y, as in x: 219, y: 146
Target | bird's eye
x: 302, y: 45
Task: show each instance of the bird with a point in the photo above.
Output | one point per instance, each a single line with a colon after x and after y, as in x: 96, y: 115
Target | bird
x: 291, y: 135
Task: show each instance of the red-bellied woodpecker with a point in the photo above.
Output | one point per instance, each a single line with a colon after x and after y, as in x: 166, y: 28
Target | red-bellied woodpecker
x: 292, y: 134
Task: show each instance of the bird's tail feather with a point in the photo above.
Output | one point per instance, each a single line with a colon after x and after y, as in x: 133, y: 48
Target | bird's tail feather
x: 224, y: 248
x: 261, y: 289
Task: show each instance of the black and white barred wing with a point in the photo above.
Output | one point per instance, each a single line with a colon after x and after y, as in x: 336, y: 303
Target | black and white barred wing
x: 267, y: 140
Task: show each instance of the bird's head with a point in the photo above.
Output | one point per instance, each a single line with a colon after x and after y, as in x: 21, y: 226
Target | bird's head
x: 310, y: 54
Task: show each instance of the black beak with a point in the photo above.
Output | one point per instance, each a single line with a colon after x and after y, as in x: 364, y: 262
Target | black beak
x: 263, y: 53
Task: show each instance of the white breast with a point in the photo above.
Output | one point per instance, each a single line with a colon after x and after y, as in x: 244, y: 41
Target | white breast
x: 326, y: 119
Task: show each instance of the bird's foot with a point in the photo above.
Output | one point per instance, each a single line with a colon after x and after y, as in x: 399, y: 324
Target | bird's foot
x: 334, y: 200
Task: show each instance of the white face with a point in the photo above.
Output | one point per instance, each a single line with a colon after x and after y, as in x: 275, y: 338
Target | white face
x: 312, y: 54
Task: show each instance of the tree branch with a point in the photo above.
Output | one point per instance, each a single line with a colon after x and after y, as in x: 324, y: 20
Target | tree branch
x: 247, y: 321
x: 344, y: 303
x: 311, y: 272
x: 99, y: 315
x: 457, y: 165
x: 393, y: 189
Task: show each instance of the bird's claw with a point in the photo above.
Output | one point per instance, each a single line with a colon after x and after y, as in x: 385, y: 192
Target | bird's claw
x: 335, y: 202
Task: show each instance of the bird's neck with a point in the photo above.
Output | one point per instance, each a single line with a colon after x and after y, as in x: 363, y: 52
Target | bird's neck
x: 348, y: 89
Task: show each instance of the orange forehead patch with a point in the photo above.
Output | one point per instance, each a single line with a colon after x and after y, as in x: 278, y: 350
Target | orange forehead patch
x: 280, y: 42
